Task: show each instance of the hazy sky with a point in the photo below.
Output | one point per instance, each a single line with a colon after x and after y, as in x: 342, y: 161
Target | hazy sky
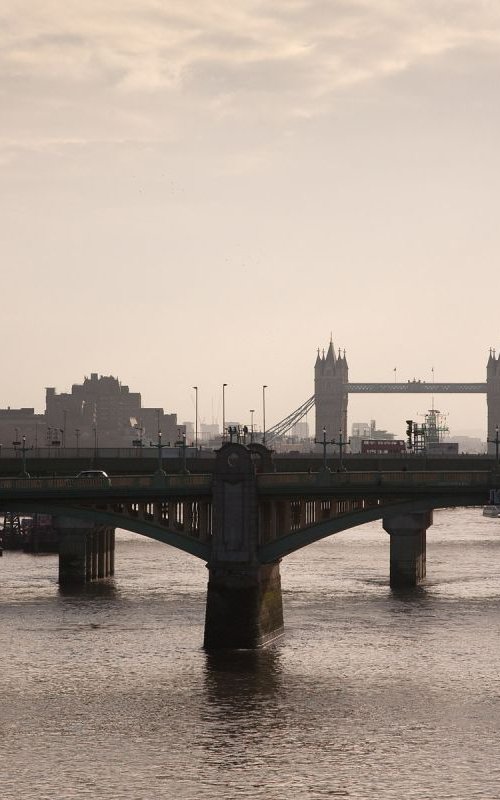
x: 199, y: 193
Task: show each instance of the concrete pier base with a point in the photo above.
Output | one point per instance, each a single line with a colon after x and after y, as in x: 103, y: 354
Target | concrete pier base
x: 408, y: 547
x: 72, y: 557
x: 85, y: 554
x: 244, y: 606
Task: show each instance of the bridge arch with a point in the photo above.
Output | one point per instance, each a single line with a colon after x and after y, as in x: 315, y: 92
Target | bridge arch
x: 159, y: 533
x: 285, y: 545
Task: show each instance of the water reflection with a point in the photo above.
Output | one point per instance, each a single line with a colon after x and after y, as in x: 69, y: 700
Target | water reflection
x: 243, y: 706
x: 105, y: 589
x: 236, y: 678
x: 407, y: 598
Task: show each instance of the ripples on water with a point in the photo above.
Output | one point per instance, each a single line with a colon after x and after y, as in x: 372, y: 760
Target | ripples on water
x: 106, y: 693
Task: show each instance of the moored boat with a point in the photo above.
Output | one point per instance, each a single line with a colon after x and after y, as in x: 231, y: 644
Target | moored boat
x: 491, y: 511
x: 493, y: 507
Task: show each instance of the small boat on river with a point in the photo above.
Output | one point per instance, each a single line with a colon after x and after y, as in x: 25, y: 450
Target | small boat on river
x: 491, y: 511
x: 493, y: 507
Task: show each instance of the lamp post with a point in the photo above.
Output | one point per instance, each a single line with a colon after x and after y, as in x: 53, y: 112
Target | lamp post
x: 264, y: 414
x: 77, y: 435
x: 224, y: 412
x: 95, y: 445
x: 160, y: 446
x: 181, y: 444
x: 496, y: 442
x: 64, y: 428
x: 24, y: 473
x: 341, y: 444
x: 196, y: 420
x: 252, y: 412
x: 324, y: 442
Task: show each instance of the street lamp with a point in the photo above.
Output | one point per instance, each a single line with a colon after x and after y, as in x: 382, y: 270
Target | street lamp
x: 224, y: 411
x: 264, y: 414
x: 196, y: 420
x: 496, y: 442
x: 252, y: 412
x: 324, y: 442
x: 24, y: 473
x: 181, y: 444
x: 341, y: 444
x: 77, y: 435
x: 160, y: 471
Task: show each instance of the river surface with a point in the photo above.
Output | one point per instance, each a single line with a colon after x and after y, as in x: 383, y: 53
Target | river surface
x: 107, y: 692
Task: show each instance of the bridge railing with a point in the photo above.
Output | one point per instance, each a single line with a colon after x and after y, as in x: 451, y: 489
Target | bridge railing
x: 118, y: 481
x: 89, y: 454
x: 379, y: 478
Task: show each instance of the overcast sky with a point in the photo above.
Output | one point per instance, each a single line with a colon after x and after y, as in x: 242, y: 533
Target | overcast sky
x: 200, y: 193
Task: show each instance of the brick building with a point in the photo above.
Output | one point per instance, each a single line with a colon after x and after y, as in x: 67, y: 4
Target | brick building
x: 103, y: 409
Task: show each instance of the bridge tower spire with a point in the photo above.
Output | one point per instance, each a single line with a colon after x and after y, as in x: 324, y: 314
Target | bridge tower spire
x: 493, y: 396
x: 331, y: 376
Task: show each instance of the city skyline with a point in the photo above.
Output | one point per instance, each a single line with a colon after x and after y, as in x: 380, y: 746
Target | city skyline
x: 192, y: 196
x: 359, y: 408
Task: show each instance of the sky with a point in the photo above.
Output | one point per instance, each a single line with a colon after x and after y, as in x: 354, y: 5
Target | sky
x: 203, y: 193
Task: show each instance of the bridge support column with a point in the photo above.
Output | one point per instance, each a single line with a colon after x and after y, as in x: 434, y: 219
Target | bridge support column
x: 244, y: 604
x: 187, y: 517
x: 84, y: 555
x: 408, y: 547
x: 111, y: 552
x: 72, y: 556
x: 204, y: 520
x: 101, y: 554
x: 172, y: 516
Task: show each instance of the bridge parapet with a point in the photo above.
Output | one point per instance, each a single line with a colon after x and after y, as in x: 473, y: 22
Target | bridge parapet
x: 168, y: 482
x: 296, y: 481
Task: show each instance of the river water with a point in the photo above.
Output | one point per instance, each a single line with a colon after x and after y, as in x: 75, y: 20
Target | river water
x: 107, y: 693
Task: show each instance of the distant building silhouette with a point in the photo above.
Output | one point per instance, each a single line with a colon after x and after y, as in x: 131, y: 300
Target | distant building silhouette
x: 103, y: 408
x: 331, y: 375
x: 100, y: 410
x: 493, y: 396
x: 18, y: 422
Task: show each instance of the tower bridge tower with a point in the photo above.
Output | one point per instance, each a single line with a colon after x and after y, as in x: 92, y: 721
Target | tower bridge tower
x: 493, y: 396
x: 331, y: 375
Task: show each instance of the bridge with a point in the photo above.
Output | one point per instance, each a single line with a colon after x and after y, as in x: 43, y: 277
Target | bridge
x: 416, y: 387
x: 242, y: 518
x: 332, y: 388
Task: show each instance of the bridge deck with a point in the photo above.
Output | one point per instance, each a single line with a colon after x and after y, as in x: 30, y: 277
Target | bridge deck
x: 417, y: 387
x: 276, y: 483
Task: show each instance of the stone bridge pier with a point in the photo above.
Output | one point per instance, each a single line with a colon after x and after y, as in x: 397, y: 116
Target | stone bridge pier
x: 408, y: 533
x: 244, y: 605
x: 86, y: 553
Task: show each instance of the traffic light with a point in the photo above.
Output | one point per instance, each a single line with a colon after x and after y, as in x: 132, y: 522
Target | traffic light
x: 409, y: 433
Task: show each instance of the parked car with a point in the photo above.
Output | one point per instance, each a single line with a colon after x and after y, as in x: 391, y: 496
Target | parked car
x: 95, y: 475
